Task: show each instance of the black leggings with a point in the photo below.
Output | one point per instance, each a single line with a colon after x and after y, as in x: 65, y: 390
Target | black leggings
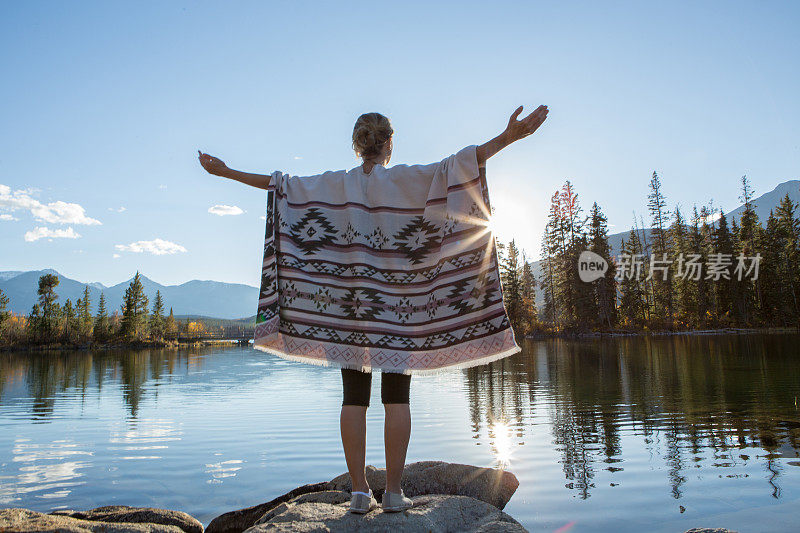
x: 356, y: 386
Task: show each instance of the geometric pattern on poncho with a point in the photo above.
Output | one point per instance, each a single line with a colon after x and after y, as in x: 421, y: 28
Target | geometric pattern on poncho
x: 411, y: 289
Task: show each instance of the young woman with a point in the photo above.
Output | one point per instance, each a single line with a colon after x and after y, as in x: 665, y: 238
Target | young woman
x: 372, y: 142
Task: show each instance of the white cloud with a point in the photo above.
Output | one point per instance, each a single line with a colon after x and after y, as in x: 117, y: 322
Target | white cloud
x: 262, y: 217
x: 63, y: 213
x: 155, y: 247
x: 118, y: 209
x: 47, y: 233
x: 162, y: 186
x: 298, y: 157
x: 223, y: 210
x: 17, y: 200
x: 6, y: 216
x: 116, y: 256
x: 54, y: 212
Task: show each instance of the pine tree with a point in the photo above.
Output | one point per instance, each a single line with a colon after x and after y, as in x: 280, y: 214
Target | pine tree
x: 788, y: 233
x: 101, y: 323
x: 662, y: 288
x: 550, y: 252
x: 750, y: 303
x: 34, y: 325
x: 632, y: 298
x: 528, y: 282
x: 134, y: 311
x: 683, y: 288
x: 644, y: 249
x: 723, y: 287
x: 170, y: 326
x: 512, y: 288
x: 698, y: 245
x: 605, y: 288
x: 4, y: 311
x: 71, y: 325
x: 157, y: 321
x: 84, y: 313
x: 48, y: 306
x: 770, y: 284
x: 573, y: 293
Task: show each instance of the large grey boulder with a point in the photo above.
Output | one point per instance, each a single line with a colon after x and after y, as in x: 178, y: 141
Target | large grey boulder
x: 24, y: 520
x: 239, y: 520
x: 432, y: 513
x: 147, y: 515
x: 488, y: 485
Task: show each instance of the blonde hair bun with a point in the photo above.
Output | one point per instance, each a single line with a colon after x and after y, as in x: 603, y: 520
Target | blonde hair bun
x: 371, y: 132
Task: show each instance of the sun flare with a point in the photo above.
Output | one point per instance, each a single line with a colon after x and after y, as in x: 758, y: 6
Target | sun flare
x: 502, y: 447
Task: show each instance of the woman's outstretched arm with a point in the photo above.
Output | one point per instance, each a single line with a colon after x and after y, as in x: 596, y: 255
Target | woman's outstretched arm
x: 516, y: 130
x: 215, y: 166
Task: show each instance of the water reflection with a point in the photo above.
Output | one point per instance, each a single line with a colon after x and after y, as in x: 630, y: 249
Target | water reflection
x: 48, y: 377
x: 50, y: 468
x: 690, y: 400
x: 223, y: 469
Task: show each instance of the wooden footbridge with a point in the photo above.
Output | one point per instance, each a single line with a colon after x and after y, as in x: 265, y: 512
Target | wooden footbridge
x: 237, y: 334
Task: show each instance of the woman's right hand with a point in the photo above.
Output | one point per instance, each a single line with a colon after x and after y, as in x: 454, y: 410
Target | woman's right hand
x: 213, y: 165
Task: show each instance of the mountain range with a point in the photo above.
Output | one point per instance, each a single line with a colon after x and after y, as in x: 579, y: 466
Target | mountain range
x: 196, y: 297
x: 235, y: 300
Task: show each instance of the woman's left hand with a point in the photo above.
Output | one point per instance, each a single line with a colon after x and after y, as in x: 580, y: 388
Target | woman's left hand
x: 517, y: 129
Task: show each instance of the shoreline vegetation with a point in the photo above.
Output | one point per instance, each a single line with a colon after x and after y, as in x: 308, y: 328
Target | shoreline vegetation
x: 175, y: 344
x: 54, y: 326
x: 709, y: 272
x: 162, y: 344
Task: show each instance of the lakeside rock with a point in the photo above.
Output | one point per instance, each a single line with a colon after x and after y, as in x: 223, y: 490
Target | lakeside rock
x: 328, y: 511
x: 448, y: 497
x: 489, y: 485
x: 108, y: 519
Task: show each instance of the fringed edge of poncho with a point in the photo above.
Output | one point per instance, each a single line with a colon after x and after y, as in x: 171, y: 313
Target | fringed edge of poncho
x: 408, y: 371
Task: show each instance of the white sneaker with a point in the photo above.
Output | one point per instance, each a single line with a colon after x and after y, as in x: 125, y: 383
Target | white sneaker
x: 393, y: 502
x: 362, y: 503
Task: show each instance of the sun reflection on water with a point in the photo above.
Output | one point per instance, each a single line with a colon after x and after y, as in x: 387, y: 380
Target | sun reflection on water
x: 501, y: 443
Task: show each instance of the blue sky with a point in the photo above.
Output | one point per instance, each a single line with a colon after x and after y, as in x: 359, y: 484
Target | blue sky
x: 104, y: 106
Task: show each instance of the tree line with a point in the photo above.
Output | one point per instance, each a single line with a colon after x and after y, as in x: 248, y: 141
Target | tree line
x: 704, y: 270
x: 73, y: 324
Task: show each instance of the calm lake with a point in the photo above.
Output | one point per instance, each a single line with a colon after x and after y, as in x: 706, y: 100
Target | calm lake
x: 636, y: 434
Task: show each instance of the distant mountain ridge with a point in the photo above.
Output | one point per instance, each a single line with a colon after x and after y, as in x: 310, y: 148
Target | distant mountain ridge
x: 197, y: 297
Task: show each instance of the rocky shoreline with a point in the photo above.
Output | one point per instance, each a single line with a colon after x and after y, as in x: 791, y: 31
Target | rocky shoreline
x: 448, y: 497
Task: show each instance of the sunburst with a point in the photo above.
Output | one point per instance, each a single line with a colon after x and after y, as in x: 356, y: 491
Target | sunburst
x: 503, y: 443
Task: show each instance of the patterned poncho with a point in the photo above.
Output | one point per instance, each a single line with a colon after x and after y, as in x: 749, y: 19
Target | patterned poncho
x: 395, y: 269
